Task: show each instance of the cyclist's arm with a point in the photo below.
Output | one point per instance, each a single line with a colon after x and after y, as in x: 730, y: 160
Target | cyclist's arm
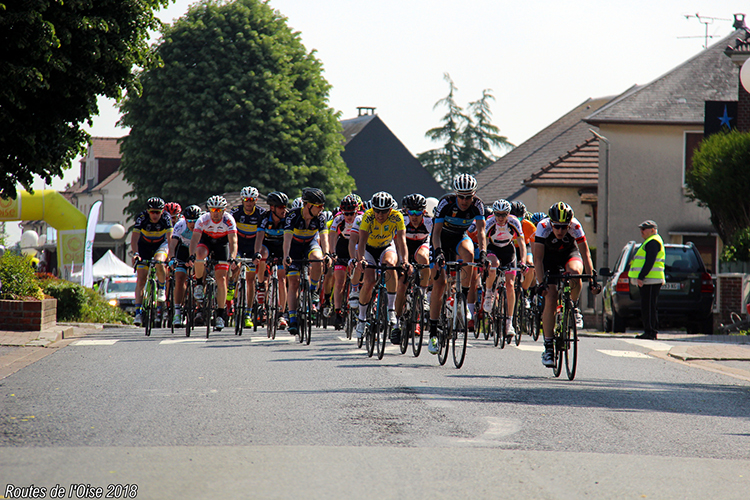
x: 287, y: 243
x: 323, y: 243
x: 353, y: 238
x: 437, y: 230
x: 481, y: 234
x: 134, y: 237
x: 332, y: 237
x: 194, y: 241
x: 401, y: 250
x: 539, y: 261
x: 583, y: 248
x: 232, y: 237
x: 173, y: 242
x: 363, y: 236
x: 521, y: 248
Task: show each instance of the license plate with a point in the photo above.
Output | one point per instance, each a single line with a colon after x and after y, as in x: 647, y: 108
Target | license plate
x: 671, y: 286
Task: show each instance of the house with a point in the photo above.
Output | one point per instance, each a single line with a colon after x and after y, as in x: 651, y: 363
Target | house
x: 379, y: 161
x: 651, y: 132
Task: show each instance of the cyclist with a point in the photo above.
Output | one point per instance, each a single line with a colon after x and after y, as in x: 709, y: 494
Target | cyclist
x: 179, y: 253
x: 381, y: 240
x: 454, y: 214
x: 417, y: 245
x: 301, y: 228
x: 215, y: 236
x: 503, y: 229
x: 247, y: 216
x: 150, y: 240
x: 518, y: 210
x: 560, y: 246
x: 269, y: 244
x: 338, y: 241
x: 175, y: 212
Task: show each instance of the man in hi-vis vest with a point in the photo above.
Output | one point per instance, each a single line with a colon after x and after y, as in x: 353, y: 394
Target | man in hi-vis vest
x: 647, y: 271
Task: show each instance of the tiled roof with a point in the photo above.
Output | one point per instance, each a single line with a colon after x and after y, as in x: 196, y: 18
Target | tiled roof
x: 504, y: 178
x: 678, y: 97
x: 354, y: 125
x: 106, y: 147
x: 577, y: 168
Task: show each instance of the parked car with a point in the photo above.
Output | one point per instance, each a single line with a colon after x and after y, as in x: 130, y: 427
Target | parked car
x: 119, y: 291
x: 686, y: 298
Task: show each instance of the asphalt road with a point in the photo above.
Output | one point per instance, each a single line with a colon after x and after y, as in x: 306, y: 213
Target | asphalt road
x: 245, y: 417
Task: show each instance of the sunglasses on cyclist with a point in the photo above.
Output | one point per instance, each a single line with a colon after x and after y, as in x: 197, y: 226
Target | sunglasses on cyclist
x: 154, y: 211
x: 560, y: 226
x: 214, y: 210
x: 191, y: 221
x: 319, y: 205
x: 381, y: 210
x: 415, y: 212
x: 349, y: 214
x: 501, y: 214
x: 465, y: 196
x: 249, y: 199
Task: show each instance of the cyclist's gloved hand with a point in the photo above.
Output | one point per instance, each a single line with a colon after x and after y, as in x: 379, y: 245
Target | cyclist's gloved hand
x: 594, y: 285
x: 483, y: 258
x: 191, y: 258
x: 438, y: 257
x: 288, y: 261
x: 172, y: 262
x: 258, y: 256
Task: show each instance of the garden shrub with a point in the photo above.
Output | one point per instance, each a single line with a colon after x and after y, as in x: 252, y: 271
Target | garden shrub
x: 18, y: 278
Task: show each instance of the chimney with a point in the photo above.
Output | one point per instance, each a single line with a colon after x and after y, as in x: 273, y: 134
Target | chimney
x: 365, y: 111
x: 739, y: 22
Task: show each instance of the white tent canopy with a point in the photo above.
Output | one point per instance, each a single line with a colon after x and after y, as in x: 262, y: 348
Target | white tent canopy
x: 109, y: 265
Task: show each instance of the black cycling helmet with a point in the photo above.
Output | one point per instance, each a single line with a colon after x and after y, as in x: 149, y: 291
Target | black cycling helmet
x: 192, y: 212
x: 314, y: 196
x: 560, y: 213
x: 277, y: 199
x: 537, y: 217
x: 155, y: 203
x: 518, y: 209
x: 414, y: 201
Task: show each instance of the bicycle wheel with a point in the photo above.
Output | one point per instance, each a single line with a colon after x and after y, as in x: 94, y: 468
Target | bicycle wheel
x: 370, y: 333
x: 170, y: 302
x: 501, y: 325
x: 571, y: 343
x: 188, y: 307
x: 418, y: 322
x: 310, y: 315
x: 444, y: 333
x: 535, y: 319
x: 519, y: 316
x: 460, y: 335
x: 303, y: 312
x: 208, y: 307
x: 560, y: 332
x: 148, y: 308
x: 272, y: 308
x: 384, y: 326
x: 240, y: 305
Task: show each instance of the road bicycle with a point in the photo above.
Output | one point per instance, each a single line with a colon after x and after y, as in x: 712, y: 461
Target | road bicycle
x: 240, y: 296
x: 378, y: 328
x: 499, y: 313
x: 149, y: 303
x: 273, y: 310
x: 413, y: 317
x: 209, y: 294
x: 565, y: 331
x: 169, y: 304
x: 188, y: 305
x: 520, y: 311
x: 453, y: 325
x: 350, y: 313
x: 305, y: 307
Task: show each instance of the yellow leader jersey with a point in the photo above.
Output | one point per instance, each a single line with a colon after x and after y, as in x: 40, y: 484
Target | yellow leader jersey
x: 381, y: 235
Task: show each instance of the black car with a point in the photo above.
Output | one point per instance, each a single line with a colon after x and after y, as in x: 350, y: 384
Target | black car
x: 686, y: 299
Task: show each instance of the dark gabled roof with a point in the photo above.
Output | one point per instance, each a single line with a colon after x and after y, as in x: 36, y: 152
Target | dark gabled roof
x: 678, y: 97
x: 353, y: 126
x: 504, y: 178
x: 577, y: 168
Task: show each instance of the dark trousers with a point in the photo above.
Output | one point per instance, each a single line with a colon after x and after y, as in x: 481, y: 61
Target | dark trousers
x: 649, y: 297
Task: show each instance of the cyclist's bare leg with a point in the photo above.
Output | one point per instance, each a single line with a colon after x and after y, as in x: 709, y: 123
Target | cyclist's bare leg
x: 180, y: 278
x: 200, y: 267
x: 221, y: 287
x: 548, y: 315
x: 339, y: 278
x: 574, y: 266
x: 510, y: 292
x: 492, y: 273
x: 140, y: 283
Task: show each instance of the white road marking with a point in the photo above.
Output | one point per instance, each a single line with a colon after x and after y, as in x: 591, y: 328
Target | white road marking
x: 181, y: 341
x: 95, y: 342
x: 652, y: 345
x: 532, y: 347
x: 624, y: 354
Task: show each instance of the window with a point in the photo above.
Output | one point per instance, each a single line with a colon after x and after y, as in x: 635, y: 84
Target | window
x: 692, y: 141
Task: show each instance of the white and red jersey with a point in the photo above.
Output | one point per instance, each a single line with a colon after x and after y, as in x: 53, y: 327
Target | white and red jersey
x: 216, y: 230
x: 501, y: 236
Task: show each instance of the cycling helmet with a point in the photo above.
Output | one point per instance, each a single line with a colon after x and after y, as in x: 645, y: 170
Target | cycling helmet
x: 367, y: 205
x: 155, y: 203
x: 327, y: 215
x: 465, y: 184
x: 297, y: 203
x: 349, y: 203
x: 173, y: 208
x: 537, y: 217
x: 382, y: 201
x: 560, y: 213
x: 314, y: 196
x: 192, y: 212
x: 216, y: 201
x: 249, y: 192
x: 277, y: 199
x: 501, y: 206
x: 518, y: 209
x: 414, y: 201
x: 487, y: 212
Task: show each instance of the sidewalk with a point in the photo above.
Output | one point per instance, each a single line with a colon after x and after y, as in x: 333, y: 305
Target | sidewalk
x: 49, y: 336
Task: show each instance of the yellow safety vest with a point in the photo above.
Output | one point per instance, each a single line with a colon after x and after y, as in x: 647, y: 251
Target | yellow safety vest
x: 657, y: 271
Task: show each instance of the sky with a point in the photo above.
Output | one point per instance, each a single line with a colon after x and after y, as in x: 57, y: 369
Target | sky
x: 540, y: 58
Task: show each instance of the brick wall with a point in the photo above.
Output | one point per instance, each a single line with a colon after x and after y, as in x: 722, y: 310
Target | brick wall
x: 28, y: 315
x: 729, y: 296
x: 743, y: 110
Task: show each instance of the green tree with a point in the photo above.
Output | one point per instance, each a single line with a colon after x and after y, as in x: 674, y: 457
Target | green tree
x: 719, y: 180
x: 468, y: 138
x: 55, y: 59
x: 238, y: 101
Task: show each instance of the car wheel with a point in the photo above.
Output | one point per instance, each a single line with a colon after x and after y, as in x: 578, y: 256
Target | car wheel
x: 704, y: 326
x: 618, y: 322
x: 606, y: 322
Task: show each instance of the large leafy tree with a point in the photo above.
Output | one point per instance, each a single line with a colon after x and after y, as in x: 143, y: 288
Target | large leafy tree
x: 55, y: 59
x: 238, y: 101
x: 468, y: 138
x: 720, y: 180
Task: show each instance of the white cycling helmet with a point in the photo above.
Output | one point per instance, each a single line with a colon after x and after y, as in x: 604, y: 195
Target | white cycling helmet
x: 297, y: 203
x: 501, y: 206
x: 383, y: 201
x: 465, y: 184
x: 249, y: 192
x: 216, y: 201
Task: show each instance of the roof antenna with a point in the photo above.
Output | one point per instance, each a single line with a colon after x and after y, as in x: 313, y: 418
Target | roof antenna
x: 704, y: 20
